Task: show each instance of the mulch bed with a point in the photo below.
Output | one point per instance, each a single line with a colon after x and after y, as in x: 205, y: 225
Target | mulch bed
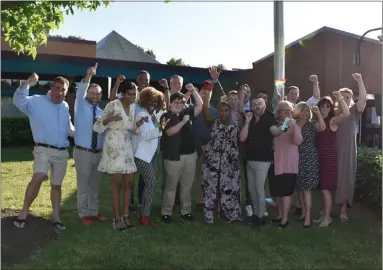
x: 19, y: 244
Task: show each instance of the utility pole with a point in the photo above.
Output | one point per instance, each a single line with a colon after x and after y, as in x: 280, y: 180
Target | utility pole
x: 279, y: 50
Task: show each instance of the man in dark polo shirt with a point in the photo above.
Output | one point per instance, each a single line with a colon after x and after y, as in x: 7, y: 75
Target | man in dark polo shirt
x: 259, y: 154
x: 180, y: 150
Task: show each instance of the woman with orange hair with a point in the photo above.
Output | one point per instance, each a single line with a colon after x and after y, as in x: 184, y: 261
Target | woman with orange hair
x: 146, y: 144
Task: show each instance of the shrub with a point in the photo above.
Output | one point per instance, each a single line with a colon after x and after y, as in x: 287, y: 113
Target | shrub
x: 368, y: 187
x: 15, y: 132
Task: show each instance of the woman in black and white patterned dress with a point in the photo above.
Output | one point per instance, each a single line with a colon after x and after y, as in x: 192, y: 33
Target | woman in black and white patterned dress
x: 308, y: 170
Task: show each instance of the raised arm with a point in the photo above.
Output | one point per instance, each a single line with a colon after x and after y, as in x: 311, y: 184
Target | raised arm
x: 275, y: 131
x: 82, y: 87
x: 362, y: 101
x: 206, y: 112
x: 21, y: 96
x: 344, y: 110
x: 245, y: 129
x: 113, y: 94
x: 320, y: 124
x: 197, y: 99
x: 164, y: 84
x: 316, y: 91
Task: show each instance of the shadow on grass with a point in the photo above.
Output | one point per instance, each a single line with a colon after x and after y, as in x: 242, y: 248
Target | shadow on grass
x: 195, y: 245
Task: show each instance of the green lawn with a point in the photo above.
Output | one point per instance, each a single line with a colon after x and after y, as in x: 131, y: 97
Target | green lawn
x: 181, y: 245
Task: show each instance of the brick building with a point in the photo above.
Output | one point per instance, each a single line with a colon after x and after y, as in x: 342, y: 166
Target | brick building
x: 327, y: 52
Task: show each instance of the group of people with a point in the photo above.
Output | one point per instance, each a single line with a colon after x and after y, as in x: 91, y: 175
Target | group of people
x: 298, y: 147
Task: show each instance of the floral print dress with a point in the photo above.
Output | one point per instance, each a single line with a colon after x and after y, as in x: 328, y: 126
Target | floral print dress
x: 117, y: 156
x: 221, y: 173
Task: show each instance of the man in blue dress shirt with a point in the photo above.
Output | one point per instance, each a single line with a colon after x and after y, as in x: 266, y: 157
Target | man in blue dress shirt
x: 88, y: 148
x: 51, y: 125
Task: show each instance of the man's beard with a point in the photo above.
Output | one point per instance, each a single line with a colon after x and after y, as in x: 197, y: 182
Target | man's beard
x: 91, y: 102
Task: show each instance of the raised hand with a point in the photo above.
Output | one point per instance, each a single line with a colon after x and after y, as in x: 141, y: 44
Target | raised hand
x: 120, y: 79
x: 189, y: 87
x: 92, y: 70
x: 313, y: 78
x: 214, y: 73
x: 32, y: 78
x: 248, y: 116
x: 357, y: 77
x: 224, y: 98
x: 164, y: 83
x: 336, y: 94
x: 186, y: 118
x: 315, y: 109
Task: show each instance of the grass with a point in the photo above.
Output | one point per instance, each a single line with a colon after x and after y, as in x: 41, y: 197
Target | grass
x: 181, y: 245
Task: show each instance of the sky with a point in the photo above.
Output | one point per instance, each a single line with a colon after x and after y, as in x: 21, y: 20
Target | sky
x: 234, y: 34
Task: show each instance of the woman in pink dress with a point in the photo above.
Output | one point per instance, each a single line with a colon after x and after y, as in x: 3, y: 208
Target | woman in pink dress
x: 286, y: 160
x: 327, y: 152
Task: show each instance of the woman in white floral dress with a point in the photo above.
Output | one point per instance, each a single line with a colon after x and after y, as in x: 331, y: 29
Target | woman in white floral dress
x: 117, y: 157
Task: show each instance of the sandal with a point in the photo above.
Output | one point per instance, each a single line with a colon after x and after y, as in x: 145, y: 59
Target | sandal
x: 119, y: 225
x: 59, y: 225
x: 20, y: 223
x: 125, y: 220
x: 343, y: 218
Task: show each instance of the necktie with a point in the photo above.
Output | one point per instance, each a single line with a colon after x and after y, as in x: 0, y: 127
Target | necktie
x: 94, y: 134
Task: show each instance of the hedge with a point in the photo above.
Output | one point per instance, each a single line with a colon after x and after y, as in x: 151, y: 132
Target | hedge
x: 368, y: 187
x: 16, y: 132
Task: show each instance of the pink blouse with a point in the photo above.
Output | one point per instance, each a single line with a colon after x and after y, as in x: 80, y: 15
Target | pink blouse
x: 286, y: 155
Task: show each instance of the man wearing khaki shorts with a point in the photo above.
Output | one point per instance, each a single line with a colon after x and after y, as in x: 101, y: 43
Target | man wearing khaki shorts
x: 51, y: 125
x: 88, y: 149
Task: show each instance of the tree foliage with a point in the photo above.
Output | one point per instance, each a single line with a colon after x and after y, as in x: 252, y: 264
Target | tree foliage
x: 221, y: 67
x: 148, y: 52
x: 26, y: 25
x: 151, y: 53
x: 176, y: 62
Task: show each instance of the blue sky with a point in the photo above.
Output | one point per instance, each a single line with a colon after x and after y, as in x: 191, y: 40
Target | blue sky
x: 234, y: 34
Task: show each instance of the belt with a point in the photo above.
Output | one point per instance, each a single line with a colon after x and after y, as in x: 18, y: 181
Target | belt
x: 88, y: 149
x: 51, y: 146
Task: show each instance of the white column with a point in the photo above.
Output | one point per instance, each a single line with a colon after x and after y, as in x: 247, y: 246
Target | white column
x: 279, y: 45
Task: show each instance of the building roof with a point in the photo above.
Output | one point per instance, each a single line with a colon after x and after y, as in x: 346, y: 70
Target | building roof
x: 116, y: 47
x: 323, y: 29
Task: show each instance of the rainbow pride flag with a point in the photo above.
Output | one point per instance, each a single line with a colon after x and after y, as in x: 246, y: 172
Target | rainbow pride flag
x: 280, y: 83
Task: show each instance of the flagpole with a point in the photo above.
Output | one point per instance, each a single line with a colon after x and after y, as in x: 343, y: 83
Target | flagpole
x: 279, y: 48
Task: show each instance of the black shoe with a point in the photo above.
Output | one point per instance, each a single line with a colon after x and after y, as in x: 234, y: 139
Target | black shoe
x: 283, y: 225
x: 298, y: 211
x: 166, y: 218
x: 258, y: 223
x: 187, y: 217
x: 132, y: 208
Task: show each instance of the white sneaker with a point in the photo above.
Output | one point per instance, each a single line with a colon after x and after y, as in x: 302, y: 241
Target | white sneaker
x: 249, y: 211
x: 266, y: 214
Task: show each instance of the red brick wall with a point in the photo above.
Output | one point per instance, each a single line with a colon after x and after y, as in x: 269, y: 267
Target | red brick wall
x: 340, y: 64
x: 80, y: 48
x: 328, y: 55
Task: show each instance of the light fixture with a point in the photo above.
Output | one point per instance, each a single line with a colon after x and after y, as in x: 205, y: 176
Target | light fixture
x: 357, y: 58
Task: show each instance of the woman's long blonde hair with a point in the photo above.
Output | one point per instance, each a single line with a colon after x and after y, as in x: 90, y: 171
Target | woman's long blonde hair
x: 299, y: 108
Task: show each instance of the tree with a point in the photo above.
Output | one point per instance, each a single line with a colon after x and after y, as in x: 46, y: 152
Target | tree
x: 27, y: 24
x: 148, y: 52
x: 221, y: 67
x: 176, y: 62
x: 151, y: 53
